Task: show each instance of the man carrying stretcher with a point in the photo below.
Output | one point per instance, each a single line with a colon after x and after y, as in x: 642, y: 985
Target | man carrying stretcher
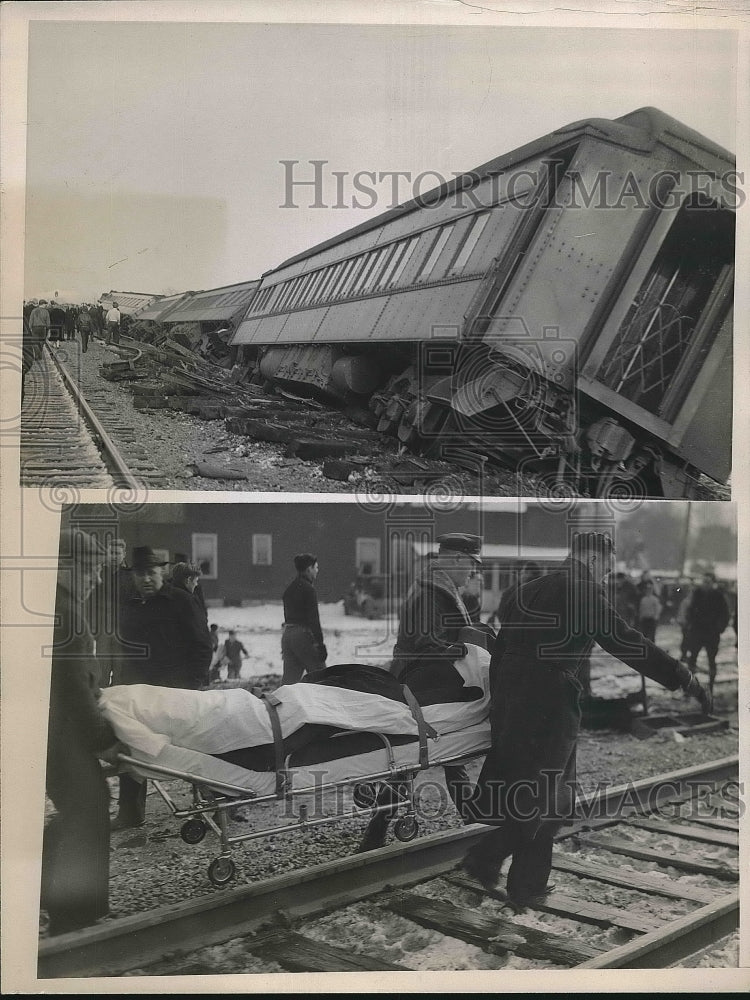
x: 427, y: 645
x: 526, y: 788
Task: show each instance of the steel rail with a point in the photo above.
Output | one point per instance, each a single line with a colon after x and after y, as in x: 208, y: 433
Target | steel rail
x: 107, y: 446
x: 115, y: 947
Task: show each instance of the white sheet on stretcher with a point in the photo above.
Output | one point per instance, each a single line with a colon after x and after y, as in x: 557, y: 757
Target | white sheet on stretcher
x: 148, y: 718
x: 206, y: 769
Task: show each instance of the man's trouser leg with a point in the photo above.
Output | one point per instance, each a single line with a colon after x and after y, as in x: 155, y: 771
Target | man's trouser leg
x: 132, y: 801
x: 531, y: 865
x: 459, y: 789
x: 712, y: 648
x: 695, y: 644
x: 299, y: 653
x: 377, y: 828
x: 75, y: 852
x: 485, y: 859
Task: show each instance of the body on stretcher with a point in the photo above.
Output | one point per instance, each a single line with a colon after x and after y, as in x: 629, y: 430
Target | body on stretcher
x: 354, y: 767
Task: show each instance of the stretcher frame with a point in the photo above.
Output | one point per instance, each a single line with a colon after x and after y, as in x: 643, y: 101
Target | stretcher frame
x: 213, y: 800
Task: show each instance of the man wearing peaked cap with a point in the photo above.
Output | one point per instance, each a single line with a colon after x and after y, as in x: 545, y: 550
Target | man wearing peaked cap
x: 75, y: 853
x: 467, y: 545
x: 432, y: 617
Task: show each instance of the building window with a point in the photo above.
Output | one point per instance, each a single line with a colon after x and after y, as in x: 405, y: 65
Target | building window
x: 262, y: 553
x: 205, y: 555
x: 367, y: 556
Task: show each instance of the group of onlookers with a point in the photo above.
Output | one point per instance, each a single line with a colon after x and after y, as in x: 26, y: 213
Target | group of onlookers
x: 703, y: 610
x: 46, y: 321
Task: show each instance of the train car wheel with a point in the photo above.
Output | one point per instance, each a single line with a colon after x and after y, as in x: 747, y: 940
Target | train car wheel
x: 406, y: 828
x: 193, y: 831
x: 221, y: 871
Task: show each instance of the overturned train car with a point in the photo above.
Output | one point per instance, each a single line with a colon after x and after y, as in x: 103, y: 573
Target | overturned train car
x: 564, y: 309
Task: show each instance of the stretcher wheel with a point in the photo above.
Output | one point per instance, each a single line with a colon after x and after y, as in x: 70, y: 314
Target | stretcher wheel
x: 193, y: 831
x: 364, y: 795
x: 221, y: 871
x: 406, y: 828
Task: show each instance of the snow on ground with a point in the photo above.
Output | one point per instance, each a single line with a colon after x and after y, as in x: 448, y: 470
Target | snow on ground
x: 349, y: 639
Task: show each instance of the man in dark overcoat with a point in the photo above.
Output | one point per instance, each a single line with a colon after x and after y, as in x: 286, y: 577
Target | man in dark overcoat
x: 526, y: 788
x: 103, y: 611
x: 706, y: 618
x: 427, y: 645
x: 166, y: 642
x: 75, y: 854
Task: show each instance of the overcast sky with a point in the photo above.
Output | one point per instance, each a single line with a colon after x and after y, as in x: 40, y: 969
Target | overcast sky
x: 153, y: 150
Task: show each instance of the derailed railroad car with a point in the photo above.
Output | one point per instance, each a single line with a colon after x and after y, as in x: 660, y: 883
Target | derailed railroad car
x: 565, y: 308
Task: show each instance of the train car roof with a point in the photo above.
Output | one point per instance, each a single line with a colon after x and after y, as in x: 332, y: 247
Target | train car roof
x: 159, y: 308
x: 213, y: 303
x: 639, y: 130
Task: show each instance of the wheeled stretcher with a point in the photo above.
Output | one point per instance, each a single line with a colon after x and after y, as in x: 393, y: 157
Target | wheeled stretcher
x: 367, y: 766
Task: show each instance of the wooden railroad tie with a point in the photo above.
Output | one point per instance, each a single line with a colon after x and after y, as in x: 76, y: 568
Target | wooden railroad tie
x: 563, y: 905
x: 298, y: 953
x: 688, y: 831
x: 639, y: 881
x: 680, y: 861
x: 496, y: 935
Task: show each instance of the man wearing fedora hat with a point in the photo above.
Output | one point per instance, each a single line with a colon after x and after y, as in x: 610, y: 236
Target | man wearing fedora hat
x: 167, y: 643
x: 75, y: 853
x: 432, y: 617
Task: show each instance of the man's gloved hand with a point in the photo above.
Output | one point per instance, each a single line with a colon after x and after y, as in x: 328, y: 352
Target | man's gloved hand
x: 693, y: 687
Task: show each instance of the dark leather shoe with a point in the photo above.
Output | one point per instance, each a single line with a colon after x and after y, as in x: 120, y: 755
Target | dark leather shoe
x: 485, y: 875
x: 531, y: 902
x: 119, y: 823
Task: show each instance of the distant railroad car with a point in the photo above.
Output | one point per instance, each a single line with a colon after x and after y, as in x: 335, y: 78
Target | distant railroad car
x: 565, y: 308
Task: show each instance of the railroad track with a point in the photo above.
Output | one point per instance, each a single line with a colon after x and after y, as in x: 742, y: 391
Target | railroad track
x: 665, y: 845
x: 69, y: 435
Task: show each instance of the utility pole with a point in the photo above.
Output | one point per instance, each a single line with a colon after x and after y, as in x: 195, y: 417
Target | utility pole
x: 686, y: 538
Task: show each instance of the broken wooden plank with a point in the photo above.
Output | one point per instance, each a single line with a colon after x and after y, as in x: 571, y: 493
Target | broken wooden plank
x: 298, y: 953
x: 310, y: 449
x: 265, y: 430
x: 688, y: 831
x: 670, y: 860
x: 640, y: 881
x: 564, y: 905
x: 493, y: 934
x: 211, y: 471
